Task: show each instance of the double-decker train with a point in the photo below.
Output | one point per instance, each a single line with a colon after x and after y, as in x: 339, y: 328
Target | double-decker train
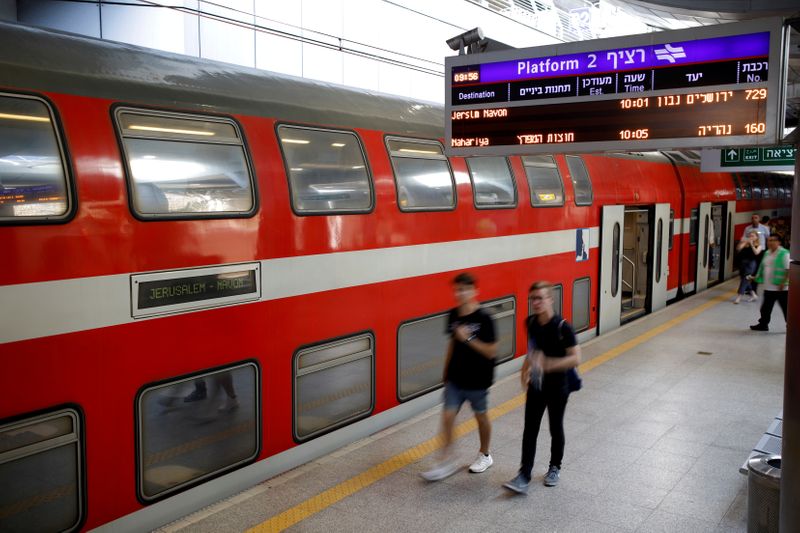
x: 211, y: 274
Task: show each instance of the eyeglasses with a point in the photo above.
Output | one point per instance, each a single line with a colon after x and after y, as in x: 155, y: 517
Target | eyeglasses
x: 537, y: 298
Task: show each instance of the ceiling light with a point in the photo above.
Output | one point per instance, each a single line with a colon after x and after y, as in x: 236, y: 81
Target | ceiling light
x: 30, y: 118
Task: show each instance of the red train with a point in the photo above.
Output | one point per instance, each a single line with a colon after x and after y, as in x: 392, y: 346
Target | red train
x: 211, y: 273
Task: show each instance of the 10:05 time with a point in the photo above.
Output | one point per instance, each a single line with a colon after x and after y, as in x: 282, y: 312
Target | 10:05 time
x: 639, y: 134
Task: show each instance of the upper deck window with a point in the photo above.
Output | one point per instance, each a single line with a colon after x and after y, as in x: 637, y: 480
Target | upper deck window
x: 422, y: 175
x: 544, y: 179
x: 327, y: 170
x: 185, y: 165
x: 581, y: 181
x: 492, y: 182
x: 33, y: 172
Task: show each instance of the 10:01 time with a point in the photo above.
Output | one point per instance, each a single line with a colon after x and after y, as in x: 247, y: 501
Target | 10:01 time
x: 637, y: 135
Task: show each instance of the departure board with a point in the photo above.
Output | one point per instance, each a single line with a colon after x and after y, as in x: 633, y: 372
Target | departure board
x: 705, y: 87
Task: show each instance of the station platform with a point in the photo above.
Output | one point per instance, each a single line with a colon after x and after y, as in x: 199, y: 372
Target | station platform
x: 672, y: 404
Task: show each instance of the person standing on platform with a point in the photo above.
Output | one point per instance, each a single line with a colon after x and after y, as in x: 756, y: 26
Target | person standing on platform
x: 749, y: 250
x: 774, y: 274
x: 553, y: 350
x: 763, y: 231
x: 468, y: 374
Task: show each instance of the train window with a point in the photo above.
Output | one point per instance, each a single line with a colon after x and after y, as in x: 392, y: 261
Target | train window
x: 747, y: 192
x: 544, y: 180
x: 728, y: 240
x: 671, y: 228
x: 659, y: 244
x: 41, y: 473
x: 766, y: 186
x: 492, y: 183
x: 421, y: 349
x: 693, y: 227
x: 556, y: 292
x: 615, y: 260
x: 33, y: 172
x: 706, y: 248
x: 581, y: 182
x: 581, y: 300
x: 755, y: 187
x: 185, y: 165
x: 504, y: 315
x: 334, y: 384
x: 737, y: 185
x: 423, y: 177
x: 327, y: 171
x: 195, y: 427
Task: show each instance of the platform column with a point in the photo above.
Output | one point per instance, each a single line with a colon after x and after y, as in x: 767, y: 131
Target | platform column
x: 790, y: 453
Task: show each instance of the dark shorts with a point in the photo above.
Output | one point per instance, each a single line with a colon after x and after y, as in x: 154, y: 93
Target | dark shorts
x: 455, y: 396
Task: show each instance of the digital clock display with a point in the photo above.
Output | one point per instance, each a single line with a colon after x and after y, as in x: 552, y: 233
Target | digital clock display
x: 665, y: 90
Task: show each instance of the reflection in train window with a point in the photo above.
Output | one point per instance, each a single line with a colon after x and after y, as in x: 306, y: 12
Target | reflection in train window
x: 504, y: 315
x: 185, y: 165
x: 422, y: 175
x: 421, y: 349
x: 192, y: 428
x: 671, y: 227
x: 333, y: 384
x: 693, y: 227
x: 492, y: 183
x: 544, y: 180
x: 737, y: 185
x: 327, y: 170
x: 581, y: 181
x: 33, y: 177
x: 580, y: 303
x: 41, y: 473
x: 755, y: 186
x: 556, y: 292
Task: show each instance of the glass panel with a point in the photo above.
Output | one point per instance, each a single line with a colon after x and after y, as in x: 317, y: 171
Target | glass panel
x: 693, y: 227
x: 671, y: 227
x: 580, y: 304
x: 544, y: 180
x: 177, y: 128
x: 615, y: 262
x: 329, y: 352
x: 504, y: 314
x: 41, y: 492
x: 581, y: 181
x: 492, y: 183
x: 705, y: 242
x: 416, y: 149
x: 659, y: 243
x: 728, y: 239
x: 421, y: 350
x: 737, y: 186
x: 423, y: 183
x: 327, y: 170
x: 18, y: 436
x: 333, y: 396
x: 194, y: 428
x: 755, y: 185
x: 33, y: 181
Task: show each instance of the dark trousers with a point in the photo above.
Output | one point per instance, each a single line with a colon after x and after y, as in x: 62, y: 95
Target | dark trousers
x: 747, y: 268
x: 555, y: 401
x: 770, y: 297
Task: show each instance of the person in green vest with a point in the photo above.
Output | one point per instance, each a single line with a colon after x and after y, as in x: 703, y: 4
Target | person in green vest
x: 773, y: 273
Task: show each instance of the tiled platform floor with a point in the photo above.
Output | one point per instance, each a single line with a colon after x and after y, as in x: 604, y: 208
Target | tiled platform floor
x: 654, y: 443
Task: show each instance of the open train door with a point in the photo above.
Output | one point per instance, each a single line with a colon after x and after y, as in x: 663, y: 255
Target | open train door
x: 611, y: 268
x: 660, y: 265
x: 703, y: 253
x: 730, y: 242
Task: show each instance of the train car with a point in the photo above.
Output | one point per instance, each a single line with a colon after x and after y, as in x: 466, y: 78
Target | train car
x: 212, y: 274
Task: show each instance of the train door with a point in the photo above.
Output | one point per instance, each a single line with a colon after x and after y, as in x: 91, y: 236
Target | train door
x: 610, y: 268
x: 703, y: 228
x: 660, y: 265
x: 716, y: 243
x: 636, y: 262
x: 730, y: 241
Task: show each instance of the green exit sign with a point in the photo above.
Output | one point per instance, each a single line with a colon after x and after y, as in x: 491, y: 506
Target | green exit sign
x: 757, y: 157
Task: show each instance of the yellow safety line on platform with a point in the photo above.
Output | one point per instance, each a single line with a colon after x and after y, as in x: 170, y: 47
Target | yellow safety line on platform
x: 327, y: 498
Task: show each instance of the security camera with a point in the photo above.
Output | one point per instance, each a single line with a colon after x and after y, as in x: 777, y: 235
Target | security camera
x: 459, y: 42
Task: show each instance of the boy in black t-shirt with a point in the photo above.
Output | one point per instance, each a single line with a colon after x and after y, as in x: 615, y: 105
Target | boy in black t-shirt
x: 553, y: 350
x: 468, y: 374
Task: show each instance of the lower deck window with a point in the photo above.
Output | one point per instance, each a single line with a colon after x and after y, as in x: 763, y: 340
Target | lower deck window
x: 192, y: 428
x: 581, y: 300
x: 421, y: 349
x: 40, y: 473
x: 333, y: 384
x: 504, y: 315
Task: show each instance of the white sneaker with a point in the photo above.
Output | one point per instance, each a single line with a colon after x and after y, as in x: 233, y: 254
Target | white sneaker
x: 481, y: 463
x: 440, y: 471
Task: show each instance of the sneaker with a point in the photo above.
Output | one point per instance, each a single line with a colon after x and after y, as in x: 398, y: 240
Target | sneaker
x: 196, y: 395
x: 519, y: 484
x: 551, y: 478
x: 228, y: 405
x: 759, y: 327
x: 481, y: 463
x: 440, y: 471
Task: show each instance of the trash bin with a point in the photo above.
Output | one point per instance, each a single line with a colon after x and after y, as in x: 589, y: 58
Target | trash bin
x: 763, y: 493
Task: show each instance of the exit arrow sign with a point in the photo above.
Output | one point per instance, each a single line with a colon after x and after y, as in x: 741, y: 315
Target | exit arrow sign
x: 770, y: 158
